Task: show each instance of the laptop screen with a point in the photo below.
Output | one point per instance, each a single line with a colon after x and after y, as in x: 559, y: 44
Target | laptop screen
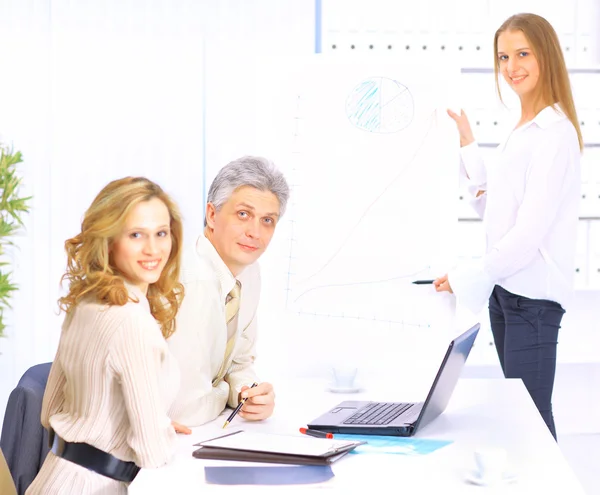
x: 447, y: 376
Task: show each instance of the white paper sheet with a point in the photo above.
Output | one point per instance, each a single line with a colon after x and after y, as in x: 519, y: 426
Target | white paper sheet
x: 282, y: 444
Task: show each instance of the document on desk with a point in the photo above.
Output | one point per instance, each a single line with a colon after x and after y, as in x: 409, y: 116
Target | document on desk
x: 285, y: 449
x: 376, y: 444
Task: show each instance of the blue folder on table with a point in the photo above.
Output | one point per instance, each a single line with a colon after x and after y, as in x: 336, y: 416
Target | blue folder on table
x: 267, y: 475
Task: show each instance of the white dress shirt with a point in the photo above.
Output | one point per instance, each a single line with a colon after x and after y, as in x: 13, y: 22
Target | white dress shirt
x: 530, y: 210
x: 209, y: 380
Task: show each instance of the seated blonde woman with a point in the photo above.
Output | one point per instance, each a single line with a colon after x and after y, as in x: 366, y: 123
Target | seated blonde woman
x: 113, y: 379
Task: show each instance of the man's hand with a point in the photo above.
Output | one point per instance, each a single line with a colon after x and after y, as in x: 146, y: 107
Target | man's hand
x: 260, y: 403
x: 442, y: 284
x: 180, y: 428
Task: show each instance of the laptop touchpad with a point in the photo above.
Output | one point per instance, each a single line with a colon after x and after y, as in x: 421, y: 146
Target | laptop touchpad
x: 340, y: 409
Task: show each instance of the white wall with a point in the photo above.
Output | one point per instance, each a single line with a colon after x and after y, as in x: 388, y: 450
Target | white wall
x: 240, y: 33
x: 91, y: 92
x: 24, y: 122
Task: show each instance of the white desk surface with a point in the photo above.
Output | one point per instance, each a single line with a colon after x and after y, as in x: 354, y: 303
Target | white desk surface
x: 481, y: 413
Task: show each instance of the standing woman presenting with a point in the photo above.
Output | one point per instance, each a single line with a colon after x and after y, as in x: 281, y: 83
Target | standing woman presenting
x: 528, y: 195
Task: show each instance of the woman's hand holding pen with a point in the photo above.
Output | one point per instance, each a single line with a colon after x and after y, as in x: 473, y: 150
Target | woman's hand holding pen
x: 260, y: 403
x: 442, y: 284
x: 464, y: 128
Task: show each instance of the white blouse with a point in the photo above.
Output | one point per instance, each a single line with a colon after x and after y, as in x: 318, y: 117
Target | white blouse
x: 530, y: 210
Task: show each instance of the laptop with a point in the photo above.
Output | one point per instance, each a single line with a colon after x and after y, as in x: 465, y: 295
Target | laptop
x: 401, y: 419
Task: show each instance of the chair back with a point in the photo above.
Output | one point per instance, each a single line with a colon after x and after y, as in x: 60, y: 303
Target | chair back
x: 24, y: 440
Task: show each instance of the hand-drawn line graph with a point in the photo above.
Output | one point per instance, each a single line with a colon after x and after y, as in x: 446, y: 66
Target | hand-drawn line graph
x: 365, y: 282
x: 387, y: 187
x: 308, y: 308
x: 381, y: 105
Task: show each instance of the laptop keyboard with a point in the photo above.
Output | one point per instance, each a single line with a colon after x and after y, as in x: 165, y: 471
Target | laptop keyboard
x: 377, y: 413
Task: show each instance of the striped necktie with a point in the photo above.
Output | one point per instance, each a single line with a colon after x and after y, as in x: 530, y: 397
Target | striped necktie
x: 232, y: 302
x: 232, y: 307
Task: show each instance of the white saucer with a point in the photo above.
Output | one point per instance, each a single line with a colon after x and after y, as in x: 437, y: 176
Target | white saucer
x: 344, y: 390
x: 475, y: 478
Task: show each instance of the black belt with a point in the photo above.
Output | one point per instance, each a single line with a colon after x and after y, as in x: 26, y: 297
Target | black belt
x: 94, y: 459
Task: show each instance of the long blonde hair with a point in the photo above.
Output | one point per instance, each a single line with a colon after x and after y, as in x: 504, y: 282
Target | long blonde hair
x: 553, y: 86
x: 90, y: 271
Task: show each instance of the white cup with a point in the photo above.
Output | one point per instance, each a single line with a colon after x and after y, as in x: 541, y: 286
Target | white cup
x: 344, y: 376
x: 491, y: 464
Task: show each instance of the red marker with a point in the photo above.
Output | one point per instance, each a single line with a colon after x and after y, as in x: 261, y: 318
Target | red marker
x: 316, y: 433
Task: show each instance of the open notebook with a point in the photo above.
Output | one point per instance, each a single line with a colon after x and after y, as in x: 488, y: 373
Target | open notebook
x: 282, y: 449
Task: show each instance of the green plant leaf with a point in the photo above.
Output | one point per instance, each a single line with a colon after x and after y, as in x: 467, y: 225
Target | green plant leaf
x: 12, y: 208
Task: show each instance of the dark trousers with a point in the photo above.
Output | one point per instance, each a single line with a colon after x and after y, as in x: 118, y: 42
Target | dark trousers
x: 525, y: 333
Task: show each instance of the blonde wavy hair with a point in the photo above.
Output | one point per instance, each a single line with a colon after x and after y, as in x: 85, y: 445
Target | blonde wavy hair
x: 554, y: 86
x: 90, y: 271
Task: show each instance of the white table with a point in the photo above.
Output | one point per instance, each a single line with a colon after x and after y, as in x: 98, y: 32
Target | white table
x: 481, y: 413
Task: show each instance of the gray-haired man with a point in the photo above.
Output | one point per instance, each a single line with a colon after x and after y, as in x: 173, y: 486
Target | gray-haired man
x: 215, y: 338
